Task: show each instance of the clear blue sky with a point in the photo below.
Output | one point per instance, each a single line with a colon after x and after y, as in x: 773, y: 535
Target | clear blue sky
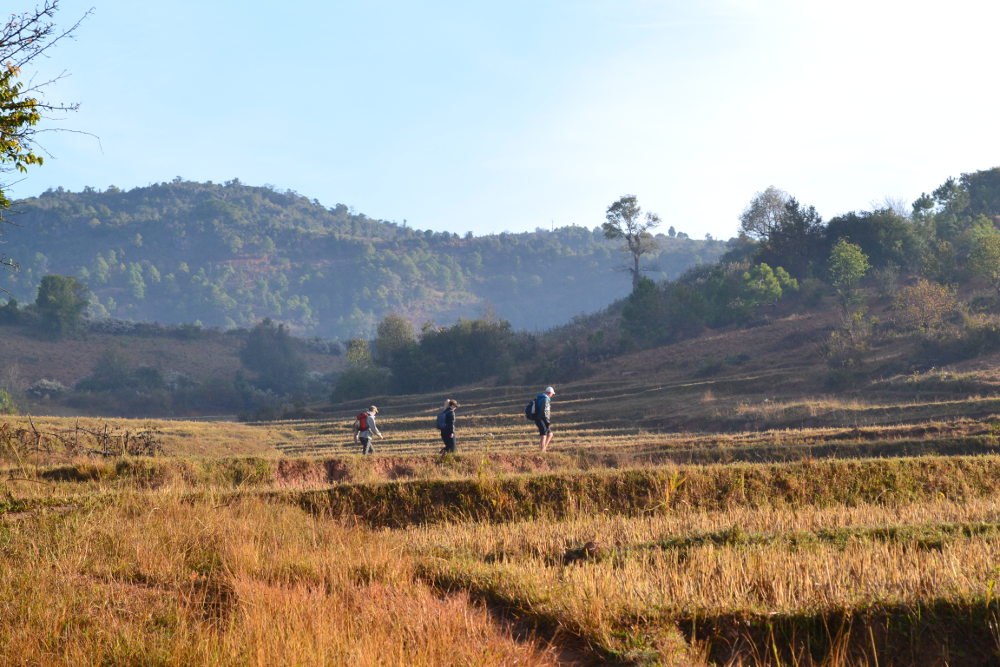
x: 493, y: 116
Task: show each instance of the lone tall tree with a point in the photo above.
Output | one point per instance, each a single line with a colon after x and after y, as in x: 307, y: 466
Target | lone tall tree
x: 625, y: 221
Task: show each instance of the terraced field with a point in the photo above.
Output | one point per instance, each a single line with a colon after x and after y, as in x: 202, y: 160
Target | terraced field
x: 874, y: 542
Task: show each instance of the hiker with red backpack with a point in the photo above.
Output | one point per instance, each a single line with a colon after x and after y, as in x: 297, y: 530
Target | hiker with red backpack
x: 365, y: 428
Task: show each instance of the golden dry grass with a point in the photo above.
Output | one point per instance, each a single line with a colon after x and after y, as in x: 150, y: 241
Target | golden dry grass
x: 631, y: 575
x: 140, y: 575
x: 180, y: 559
x: 155, y: 579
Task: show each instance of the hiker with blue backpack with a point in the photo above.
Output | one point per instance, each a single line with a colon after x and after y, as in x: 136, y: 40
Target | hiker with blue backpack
x: 538, y: 411
x: 446, y: 424
x: 365, y: 428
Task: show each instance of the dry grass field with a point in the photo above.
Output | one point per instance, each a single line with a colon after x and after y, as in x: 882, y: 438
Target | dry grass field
x: 875, y: 542
x: 697, y: 507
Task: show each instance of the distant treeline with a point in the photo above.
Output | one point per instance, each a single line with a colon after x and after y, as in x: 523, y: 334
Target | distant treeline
x: 230, y: 255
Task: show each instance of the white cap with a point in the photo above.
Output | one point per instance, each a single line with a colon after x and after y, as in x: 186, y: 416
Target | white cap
x: 549, y: 390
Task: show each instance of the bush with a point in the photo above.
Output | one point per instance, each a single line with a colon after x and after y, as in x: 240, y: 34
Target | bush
x: 7, y: 404
x: 112, y: 371
x: 924, y: 305
x: 46, y: 389
x: 977, y: 336
x: 847, y: 346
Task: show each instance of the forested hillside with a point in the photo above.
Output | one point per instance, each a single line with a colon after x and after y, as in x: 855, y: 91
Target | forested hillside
x: 229, y: 255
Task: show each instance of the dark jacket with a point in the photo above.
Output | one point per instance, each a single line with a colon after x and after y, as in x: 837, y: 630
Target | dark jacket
x: 449, y: 421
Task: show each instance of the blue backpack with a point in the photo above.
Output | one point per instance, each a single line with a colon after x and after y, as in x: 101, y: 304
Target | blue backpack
x: 442, y: 420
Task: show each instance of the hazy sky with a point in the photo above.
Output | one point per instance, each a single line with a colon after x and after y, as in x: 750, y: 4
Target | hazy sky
x: 493, y: 116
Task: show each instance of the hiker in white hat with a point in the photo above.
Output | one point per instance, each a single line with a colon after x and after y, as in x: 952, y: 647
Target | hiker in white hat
x: 542, y: 416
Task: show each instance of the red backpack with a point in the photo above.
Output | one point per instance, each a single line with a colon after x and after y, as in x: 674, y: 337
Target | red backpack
x: 362, y: 422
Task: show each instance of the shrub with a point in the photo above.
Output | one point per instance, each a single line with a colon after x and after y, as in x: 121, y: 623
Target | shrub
x: 47, y: 389
x: 925, y: 305
x: 7, y: 404
x: 847, y: 346
x: 977, y: 336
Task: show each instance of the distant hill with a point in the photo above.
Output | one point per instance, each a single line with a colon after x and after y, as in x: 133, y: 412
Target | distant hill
x: 229, y: 255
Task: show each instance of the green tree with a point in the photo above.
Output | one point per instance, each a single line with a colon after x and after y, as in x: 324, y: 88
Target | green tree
x: 624, y: 221
x: 883, y: 236
x: 270, y: 352
x: 794, y: 240
x: 112, y: 371
x: 60, y: 303
x: 785, y: 279
x: 467, y: 351
x: 361, y: 381
x: 7, y: 404
x: 137, y: 285
x: 358, y: 352
x: 847, y: 266
x: 984, y: 260
x: 973, y: 194
x: 643, y: 314
x: 394, y: 335
x: 761, y: 286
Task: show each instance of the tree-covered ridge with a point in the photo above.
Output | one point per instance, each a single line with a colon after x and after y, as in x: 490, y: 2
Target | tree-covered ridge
x: 229, y: 255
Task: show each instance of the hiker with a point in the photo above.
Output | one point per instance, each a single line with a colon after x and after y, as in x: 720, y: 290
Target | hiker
x: 364, y: 428
x: 446, y: 423
x: 543, y: 415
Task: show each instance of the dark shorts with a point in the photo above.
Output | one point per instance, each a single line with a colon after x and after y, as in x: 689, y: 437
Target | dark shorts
x: 448, y: 438
x: 544, y: 426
